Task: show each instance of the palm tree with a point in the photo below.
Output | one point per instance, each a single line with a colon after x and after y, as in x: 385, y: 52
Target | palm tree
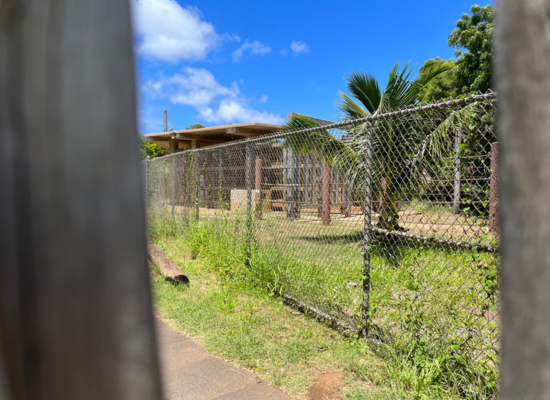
x: 398, y: 147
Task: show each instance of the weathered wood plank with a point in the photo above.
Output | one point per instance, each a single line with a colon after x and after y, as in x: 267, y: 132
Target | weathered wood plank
x: 76, y: 318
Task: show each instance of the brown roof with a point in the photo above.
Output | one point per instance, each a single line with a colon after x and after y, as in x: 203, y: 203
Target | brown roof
x: 240, y: 130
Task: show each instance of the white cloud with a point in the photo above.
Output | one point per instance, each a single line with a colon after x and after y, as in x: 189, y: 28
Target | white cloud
x: 284, y: 51
x: 298, y: 47
x: 197, y: 87
x: 169, y: 32
x: 235, y: 111
x: 255, y: 47
x: 263, y: 99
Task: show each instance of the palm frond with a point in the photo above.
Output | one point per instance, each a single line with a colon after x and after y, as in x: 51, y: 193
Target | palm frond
x: 364, y: 87
x: 350, y: 108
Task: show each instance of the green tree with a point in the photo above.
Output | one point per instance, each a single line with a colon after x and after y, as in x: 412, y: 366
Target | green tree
x: 442, y: 86
x: 473, y: 41
x: 149, y: 149
x: 472, y: 70
x: 195, y: 126
x: 396, y: 146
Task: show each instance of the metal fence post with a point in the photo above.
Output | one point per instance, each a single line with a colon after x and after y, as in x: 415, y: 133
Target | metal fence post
x: 367, y: 234
x: 173, y: 183
x: 159, y: 184
x: 258, y: 188
x: 196, y: 173
x: 249, y: 176
x: 456, y: 198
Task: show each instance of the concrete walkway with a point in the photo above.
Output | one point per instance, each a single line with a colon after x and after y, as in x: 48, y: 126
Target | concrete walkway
x: 188, y: 373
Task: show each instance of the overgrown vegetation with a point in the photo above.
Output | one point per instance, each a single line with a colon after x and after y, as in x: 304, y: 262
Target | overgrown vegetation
x: 430, y: 320
x: 148, y: 149
x: 472, y: 71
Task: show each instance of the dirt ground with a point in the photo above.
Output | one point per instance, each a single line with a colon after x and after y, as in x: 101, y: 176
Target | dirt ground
x: 327, y: 387
x: 438, y: 224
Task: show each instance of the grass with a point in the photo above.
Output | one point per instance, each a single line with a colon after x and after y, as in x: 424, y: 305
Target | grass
x: 233, y: 305
x: 287, y: 349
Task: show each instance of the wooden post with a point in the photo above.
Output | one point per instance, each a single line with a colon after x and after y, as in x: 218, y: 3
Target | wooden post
x: 523, y: 85
x: 258, y: 188
x: 380, y: 195
x: 76, y: 315
x: 292, y: 187
x: 306, y: 179
x: 325, y: 197
x: 456, y: 197
x: 494, y: 221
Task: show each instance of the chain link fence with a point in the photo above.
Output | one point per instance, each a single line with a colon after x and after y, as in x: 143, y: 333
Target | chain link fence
x: 386, y: 226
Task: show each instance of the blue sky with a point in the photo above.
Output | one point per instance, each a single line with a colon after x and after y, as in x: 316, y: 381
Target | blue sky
x: 218, y: 62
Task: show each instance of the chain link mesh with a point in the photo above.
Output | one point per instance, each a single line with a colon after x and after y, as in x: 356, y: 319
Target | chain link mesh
x: 386, y: 225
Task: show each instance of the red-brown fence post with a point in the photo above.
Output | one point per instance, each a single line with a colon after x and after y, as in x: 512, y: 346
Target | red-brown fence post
x: 325, y: 200
x: 258, y: 188
x: 494, y: 221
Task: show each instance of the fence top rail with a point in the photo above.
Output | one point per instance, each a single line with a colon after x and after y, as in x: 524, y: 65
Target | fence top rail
x: 463, y: 101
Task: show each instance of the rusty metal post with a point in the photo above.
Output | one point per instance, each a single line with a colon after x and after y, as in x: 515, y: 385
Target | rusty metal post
x: 325, y: 195
x: 258, y: 188
x: 494, y: 221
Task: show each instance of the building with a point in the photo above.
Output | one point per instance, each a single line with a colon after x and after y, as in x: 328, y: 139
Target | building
x: 289, y: 182
x: 175, y: 141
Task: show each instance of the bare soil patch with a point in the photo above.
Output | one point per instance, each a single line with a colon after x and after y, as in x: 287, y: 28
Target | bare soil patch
x: 327, y: 387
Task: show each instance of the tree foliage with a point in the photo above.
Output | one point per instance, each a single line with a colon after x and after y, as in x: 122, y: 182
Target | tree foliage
x: 442, y: 86
x: 472, y: 70
x: 398, y: 149
x: 148, y: 149
x: 195, y: 126
x: 473, y: 41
